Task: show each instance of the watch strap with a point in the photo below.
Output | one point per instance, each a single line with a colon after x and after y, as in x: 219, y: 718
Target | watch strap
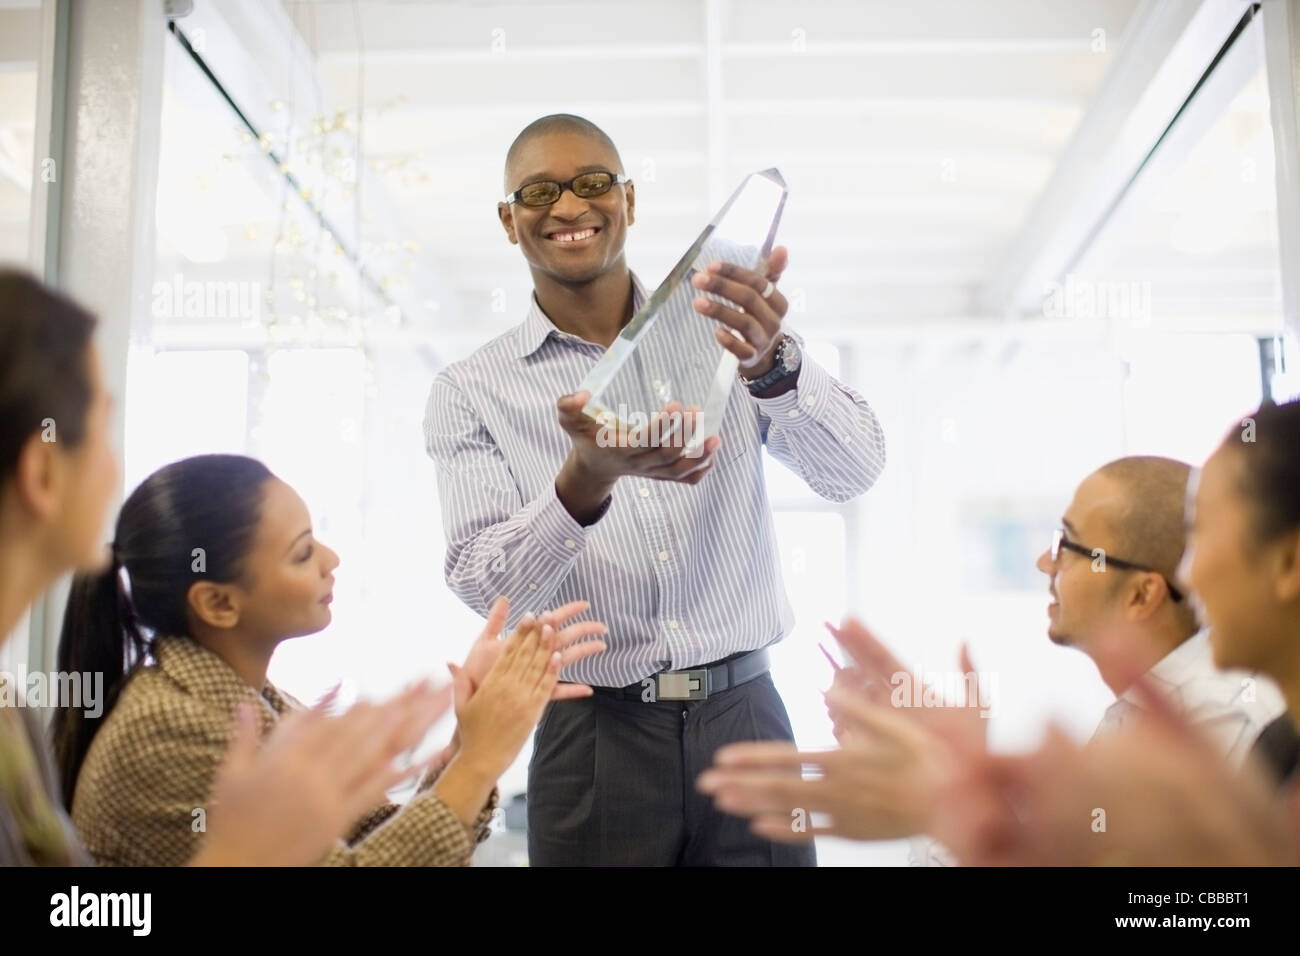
x: 778, y: 372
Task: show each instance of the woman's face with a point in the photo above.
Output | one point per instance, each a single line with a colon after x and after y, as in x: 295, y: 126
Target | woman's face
x: 89, y: 480
x: 288, y: 580
x: 1230, y: 572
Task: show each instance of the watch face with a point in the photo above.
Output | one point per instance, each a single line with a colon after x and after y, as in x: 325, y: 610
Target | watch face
x: 790, y: 354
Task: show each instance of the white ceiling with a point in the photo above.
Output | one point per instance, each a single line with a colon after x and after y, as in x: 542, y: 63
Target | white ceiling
x: 929, y: 146
x: 914, y: 136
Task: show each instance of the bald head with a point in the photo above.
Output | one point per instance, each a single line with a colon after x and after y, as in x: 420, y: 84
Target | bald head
x: 547, y: 125
x: 1149, y: 523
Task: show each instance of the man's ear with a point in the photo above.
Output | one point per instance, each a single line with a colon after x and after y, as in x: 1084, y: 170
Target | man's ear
x: 1288, y: 567
x: 630, y: 188
x: 1145, y: 595
x: 508, y: 221
x: 39, y: 476
x: 214, y: 604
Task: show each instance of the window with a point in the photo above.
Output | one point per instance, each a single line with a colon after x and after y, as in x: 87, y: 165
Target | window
x: 1187, y: 268
x: 265, y: 338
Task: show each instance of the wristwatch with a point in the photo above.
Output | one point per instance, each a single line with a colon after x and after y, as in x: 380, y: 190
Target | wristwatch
x: 787, y: 362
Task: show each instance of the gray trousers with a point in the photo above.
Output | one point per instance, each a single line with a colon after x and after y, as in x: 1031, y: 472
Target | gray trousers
x: 612, y: 781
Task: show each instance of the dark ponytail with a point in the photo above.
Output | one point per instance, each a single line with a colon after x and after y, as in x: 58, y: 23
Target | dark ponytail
x: 192, y: 520
x: 100, y: 636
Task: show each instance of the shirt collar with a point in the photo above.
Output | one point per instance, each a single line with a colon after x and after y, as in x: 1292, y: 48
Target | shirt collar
x: 538, y: 327
x: 1190, y: 659
x: 205, y: 675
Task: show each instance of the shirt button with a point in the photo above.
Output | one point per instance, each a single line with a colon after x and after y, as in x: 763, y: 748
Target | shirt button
x: 532, y: 586
x: 644, y: 492
x: 810, y: 401
x: 846, y: 438
x: 570, y: 543
x: 673, y: 625
x: 663, y: 555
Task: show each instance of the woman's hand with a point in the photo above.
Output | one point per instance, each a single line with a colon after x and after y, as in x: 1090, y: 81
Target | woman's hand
x: 572, y: 643
x: 496, y: 717
x: 287, y: 801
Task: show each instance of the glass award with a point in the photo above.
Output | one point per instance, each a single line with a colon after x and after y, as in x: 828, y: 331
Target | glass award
x: 667, y: 352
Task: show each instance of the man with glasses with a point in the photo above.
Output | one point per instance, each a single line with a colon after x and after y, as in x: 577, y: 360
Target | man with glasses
x: 1112, y: 566
x: 675, y: 550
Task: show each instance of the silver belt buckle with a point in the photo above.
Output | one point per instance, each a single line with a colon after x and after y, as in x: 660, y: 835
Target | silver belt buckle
x: 683, y: 685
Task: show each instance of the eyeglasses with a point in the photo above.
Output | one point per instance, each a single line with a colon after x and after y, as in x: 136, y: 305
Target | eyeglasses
x: 1060, y: 541
x: 585, y: 186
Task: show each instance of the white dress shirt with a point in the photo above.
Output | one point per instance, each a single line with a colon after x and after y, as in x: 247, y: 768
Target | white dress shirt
x: 1231, y: 706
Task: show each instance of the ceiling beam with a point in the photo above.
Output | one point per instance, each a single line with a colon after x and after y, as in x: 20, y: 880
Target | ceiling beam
x: 1163, y: 53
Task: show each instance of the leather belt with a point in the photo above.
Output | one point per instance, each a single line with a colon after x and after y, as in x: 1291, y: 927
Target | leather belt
x: 695, y: 683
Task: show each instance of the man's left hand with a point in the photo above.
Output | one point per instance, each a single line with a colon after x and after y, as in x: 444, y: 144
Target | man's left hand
x: 755, y: 319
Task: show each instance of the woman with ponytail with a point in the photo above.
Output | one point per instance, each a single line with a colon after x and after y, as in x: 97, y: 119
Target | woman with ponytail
x: 215, y: 565
x: 283, y: 800
x: 101, y: 633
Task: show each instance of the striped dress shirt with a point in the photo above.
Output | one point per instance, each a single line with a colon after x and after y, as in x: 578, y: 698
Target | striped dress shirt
x: 681, y: 575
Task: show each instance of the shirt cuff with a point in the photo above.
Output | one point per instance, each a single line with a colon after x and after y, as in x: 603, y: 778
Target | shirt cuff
x: 482, y: 828
x: 556, y: 531
x: 806, y: 401
x: 424, y: 833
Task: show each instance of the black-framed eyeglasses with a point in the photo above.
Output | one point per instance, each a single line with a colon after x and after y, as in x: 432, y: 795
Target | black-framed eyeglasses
x: 1061, y: 542
x: 584, y: 186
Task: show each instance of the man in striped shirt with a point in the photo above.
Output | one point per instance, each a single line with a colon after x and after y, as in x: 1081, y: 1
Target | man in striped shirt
x: 675, y: 551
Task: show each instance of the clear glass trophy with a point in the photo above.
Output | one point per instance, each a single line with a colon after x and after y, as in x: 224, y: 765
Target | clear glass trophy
x: 667, y: 352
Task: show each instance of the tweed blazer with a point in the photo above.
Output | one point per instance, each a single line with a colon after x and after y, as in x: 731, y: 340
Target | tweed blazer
x: 141, y: 796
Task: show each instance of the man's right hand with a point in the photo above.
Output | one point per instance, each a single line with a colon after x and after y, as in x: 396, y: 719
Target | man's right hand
x: 652, y: 451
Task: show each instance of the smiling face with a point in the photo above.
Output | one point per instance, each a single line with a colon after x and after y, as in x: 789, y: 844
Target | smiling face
x: 1084, y: 602
x: 573, y: 240
x: 1247, y: 588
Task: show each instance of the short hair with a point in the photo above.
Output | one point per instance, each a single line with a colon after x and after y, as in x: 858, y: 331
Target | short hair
x: 1152, y: 527
x: 557, y: 123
